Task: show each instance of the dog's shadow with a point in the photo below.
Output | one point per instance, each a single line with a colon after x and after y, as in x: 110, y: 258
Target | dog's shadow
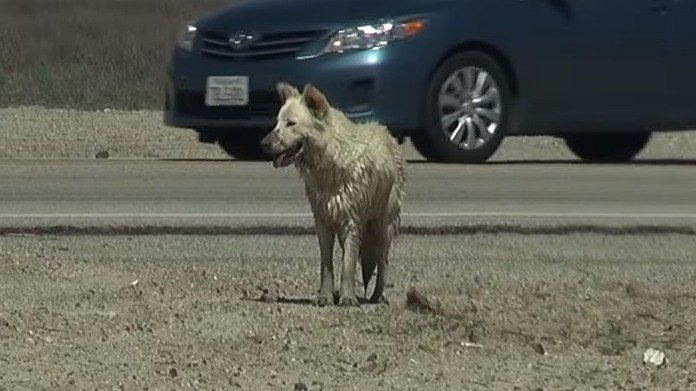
x: 302, y: 301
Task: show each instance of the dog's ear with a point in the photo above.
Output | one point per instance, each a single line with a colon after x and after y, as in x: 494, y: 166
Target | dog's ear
x: 316, y: 101
x: 286, y: 91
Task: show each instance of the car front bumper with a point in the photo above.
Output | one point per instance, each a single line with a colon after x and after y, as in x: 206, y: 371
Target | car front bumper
x: 384, y: 85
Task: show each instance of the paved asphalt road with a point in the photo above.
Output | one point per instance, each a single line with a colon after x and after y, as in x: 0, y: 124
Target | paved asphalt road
x: 183, y: 193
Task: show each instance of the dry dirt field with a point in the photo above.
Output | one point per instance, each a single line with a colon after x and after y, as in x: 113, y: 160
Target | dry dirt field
x: 512, y: 312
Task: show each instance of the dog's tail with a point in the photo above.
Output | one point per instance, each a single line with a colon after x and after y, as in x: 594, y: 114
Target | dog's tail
x: 383, y: 262
x: 368, y: 264
x: 379, y: 288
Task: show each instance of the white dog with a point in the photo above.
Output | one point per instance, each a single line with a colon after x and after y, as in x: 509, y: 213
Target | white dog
x: 354, y: 177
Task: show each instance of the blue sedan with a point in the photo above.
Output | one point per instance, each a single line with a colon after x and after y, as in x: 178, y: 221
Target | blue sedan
x: 454, y: 76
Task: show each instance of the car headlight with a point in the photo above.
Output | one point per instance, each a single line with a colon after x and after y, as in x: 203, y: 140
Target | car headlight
x: 372, y: 36
x: 187, y: 37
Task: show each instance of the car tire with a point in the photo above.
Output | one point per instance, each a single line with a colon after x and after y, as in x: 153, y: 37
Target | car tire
x: 485, y: 108
x: 243, y: 145
x: 607, y: 147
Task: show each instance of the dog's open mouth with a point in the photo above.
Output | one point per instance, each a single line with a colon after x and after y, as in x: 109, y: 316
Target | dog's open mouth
x: 288, y: 156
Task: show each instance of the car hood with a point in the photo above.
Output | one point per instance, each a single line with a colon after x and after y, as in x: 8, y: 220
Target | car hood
x: 284, y: 15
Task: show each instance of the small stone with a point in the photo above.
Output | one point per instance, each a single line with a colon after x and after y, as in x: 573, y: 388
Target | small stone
x: 539, y: 348
x: 102, y: 155
x: 654, y: 357
x: 472, y: 345
x: 173, y: 372
x: 270, y: 296
x: 419, y: 302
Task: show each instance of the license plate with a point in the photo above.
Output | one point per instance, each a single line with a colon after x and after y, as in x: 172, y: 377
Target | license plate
x: 227, y: 91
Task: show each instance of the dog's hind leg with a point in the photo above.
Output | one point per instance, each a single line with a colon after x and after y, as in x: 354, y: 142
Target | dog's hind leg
x: 327, y: 239
x: 350, y: 240
x: 385, y: 232
x: 385, y: 236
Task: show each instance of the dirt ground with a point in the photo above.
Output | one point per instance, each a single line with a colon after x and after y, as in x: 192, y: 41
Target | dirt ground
x: 508, y: 312
x: 38, y: 133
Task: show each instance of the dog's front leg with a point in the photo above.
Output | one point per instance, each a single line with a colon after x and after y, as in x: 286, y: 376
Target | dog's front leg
x: 326, y: 245
x: 351, y: 248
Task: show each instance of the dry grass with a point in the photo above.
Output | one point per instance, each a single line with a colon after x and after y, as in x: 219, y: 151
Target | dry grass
x: 89, y: 53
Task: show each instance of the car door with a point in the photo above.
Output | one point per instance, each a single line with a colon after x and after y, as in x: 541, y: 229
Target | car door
x: 600, y: 63
x: 681, y: 63
x: 619, y: 72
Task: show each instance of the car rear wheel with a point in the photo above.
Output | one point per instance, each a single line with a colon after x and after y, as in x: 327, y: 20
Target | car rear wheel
x: 607, y: 147
x: 243, y: 145
x: 468, y: 110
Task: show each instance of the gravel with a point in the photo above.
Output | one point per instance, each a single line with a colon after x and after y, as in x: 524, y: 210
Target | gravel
x: 38, y: 133
x: 556, y: 312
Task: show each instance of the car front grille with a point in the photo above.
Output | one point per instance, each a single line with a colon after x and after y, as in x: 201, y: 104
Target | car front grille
x: 266, y: 46
x: 261, y: 104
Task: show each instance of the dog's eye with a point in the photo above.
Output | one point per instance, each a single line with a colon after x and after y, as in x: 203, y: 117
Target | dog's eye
x: 291, y: 123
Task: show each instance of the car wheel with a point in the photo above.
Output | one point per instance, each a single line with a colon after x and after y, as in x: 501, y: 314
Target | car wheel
x: 243, y: 146
x: 607, y: 148
x: 468, y: 110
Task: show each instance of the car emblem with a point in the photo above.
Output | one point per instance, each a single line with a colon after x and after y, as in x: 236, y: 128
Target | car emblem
x: 241, y: 41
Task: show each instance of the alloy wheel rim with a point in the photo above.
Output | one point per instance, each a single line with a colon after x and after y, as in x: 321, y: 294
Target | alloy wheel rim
x: 470, y: 107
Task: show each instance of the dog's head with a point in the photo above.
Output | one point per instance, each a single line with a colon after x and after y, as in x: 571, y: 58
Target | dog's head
x: 299, y: 124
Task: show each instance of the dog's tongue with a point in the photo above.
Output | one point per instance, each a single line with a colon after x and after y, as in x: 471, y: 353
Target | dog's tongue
x: 279, y: 161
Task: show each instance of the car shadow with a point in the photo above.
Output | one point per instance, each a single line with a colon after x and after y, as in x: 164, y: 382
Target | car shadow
x: 512, y: 162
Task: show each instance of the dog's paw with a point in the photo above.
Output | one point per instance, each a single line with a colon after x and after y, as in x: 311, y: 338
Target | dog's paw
x: 323, y: 300
x: 380, y: 300
x: 348, y: 301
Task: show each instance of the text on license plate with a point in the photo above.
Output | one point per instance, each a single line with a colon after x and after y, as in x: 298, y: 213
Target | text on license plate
x: 227, y: 91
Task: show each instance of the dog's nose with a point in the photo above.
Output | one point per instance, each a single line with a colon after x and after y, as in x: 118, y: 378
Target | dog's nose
x: 266, y: 142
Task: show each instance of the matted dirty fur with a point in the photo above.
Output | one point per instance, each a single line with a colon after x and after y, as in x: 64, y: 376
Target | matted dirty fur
x: 354, y: 177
